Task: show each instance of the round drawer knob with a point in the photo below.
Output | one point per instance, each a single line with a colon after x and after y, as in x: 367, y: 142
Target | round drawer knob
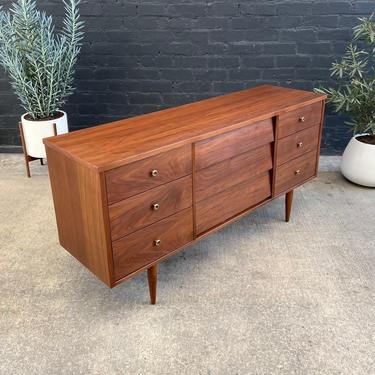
x: 154, y: 173
x: 155, y: 206
x: 157, y: 242
x: 298, y: 172
x: 302, y: 119
x: 300, y: 144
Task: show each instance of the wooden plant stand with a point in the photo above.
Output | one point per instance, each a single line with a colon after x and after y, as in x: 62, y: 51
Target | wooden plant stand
x: 29, y: 158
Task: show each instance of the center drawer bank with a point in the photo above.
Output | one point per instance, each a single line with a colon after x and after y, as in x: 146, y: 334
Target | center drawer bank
x: 133, y: 192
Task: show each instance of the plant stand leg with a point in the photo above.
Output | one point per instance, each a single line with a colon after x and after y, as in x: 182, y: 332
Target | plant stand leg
x: 288, y: 204
x: 28, y: 158
x: 152, y: 275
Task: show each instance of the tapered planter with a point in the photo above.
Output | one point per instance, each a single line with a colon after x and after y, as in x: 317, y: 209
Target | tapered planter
x: 35, y: 131
x: 358, y: 162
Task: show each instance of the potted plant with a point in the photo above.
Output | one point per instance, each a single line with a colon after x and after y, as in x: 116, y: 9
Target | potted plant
x: 356, y: 98
x: 40, y: 64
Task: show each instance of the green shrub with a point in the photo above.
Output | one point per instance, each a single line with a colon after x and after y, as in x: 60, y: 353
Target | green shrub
x: 39, y: 61
x: 355, y: 96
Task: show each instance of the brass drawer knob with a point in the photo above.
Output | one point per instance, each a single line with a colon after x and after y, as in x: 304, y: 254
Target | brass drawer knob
x: 300, y: 144
x: 302, y: 119
x: 154, y: 173
x: 157, y: 242
x: 298, y: 172
x: 155, y: 206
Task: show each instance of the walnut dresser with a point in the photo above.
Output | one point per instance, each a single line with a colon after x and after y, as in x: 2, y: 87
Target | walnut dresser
x: 131, y: 193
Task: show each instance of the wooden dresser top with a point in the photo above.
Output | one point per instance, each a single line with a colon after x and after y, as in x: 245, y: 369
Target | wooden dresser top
x: 112, y: 145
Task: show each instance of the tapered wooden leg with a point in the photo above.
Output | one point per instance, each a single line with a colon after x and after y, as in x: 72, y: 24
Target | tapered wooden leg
x: 41, y: 161
x: 152, y: 275
x: 288, y: 204
x: 27, y: 168
x: 24, y: 150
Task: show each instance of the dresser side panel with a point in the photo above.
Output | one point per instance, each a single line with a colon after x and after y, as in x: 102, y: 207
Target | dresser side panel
x: 80, y: 213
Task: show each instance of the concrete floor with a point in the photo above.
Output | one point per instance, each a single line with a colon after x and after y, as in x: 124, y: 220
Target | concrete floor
x: 259, y: 297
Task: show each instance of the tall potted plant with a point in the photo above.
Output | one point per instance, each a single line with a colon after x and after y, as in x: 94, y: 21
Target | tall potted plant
x: 355, y: 97
x: 40, y: 64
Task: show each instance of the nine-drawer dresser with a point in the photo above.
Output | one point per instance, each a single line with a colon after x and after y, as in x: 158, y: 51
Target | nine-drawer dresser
x: 133, y: 192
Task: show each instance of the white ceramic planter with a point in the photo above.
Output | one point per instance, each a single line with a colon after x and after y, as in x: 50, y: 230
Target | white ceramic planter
x: 358, y: 162
x: 35, y: 131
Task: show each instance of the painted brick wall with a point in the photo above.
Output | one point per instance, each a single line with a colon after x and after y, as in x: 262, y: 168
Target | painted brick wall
x: 141, y: 56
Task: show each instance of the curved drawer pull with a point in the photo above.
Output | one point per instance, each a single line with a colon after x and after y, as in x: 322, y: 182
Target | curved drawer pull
x: 154, y: 173
x: 298, y: 172
x: 300, y: 144
x: 157, y: 242
x: 155, y: 206
x: 302, y: 119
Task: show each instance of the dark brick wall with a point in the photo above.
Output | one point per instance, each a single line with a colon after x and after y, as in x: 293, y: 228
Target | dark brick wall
x: 141, y: 56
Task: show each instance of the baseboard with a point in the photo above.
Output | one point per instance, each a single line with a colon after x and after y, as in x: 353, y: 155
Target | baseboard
x: 11, y: 149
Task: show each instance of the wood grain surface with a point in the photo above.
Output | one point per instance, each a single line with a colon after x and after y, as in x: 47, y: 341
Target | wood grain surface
x: 221, y: 207
x: 81, y: 215
x: 298, y: 144
x: 221, y: 176
x: 139, y: 211
x: 137, y: 177
x: 139, y: 249
x: 121, y: 142
x: 299, y: 119
x: 225, y: 146
x: 295, y: 172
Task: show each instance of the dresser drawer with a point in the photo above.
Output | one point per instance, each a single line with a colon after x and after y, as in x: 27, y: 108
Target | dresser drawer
x: 146, y: 208
x: 297, y: 144
x: 221, y: 207
x: 295, y: 172
x: 134, y: 178
x: 230, y: 172
x: 302, y: 118
x: 141, y: 248
x: 225, y: 146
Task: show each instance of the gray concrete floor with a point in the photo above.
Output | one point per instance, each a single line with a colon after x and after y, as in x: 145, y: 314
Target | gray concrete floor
x: 259, y: 297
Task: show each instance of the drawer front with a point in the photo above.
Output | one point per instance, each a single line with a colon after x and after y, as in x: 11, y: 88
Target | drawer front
x: 137, y: 177
x: 295, y: 172
x: 141, y: 248
x: 225, y: 146
x: 146, y: 208
x: 302, y: 118
x: 297, y: 144
x: 230, y: 172
x: 223, y: 206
